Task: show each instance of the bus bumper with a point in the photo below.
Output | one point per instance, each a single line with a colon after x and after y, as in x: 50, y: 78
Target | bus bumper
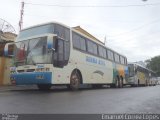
x: 31, y: 78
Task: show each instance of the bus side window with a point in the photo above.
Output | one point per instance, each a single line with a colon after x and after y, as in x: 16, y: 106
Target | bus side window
x: 66, y: 51
x: 60, y: 50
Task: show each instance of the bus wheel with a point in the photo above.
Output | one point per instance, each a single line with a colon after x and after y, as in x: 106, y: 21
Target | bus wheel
x: 138, y: 84
x: 145, y: 83
x: 117, y: 83
x: 121, y: 82
x: 44, y: 86
x: 75, y: 80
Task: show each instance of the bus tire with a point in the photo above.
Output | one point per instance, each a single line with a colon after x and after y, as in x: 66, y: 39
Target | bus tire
x: 116, y: 84
x: 44, y: 86
x: 138, y: 84
x: 121, y: 82
x: 113, y: 85
x: 146, y: 83
x: 75, y: 80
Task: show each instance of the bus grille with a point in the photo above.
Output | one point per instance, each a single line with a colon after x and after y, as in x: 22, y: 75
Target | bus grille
x: 30, y: 70
x: 20, y: 71
x: 27, y: 70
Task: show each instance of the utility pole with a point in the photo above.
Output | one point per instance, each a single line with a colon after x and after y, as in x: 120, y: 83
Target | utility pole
x: 105, y: 40
x: 21, y: 16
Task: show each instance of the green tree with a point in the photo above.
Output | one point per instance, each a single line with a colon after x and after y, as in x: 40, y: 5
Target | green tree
x: 154, y: 64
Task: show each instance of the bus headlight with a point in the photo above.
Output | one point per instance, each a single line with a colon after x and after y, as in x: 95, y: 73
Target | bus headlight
x: 12, y: 72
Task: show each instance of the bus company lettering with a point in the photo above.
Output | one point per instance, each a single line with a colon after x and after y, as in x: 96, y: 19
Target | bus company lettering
x: 40, y: 66
x: 95, y: 60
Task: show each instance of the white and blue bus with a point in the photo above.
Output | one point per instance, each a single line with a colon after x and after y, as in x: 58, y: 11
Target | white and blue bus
x: 54, y: 54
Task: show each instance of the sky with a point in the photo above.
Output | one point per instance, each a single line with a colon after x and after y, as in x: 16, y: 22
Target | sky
x: 131, y: 27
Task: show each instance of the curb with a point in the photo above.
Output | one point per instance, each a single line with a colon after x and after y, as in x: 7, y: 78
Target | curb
x: 11, y: 87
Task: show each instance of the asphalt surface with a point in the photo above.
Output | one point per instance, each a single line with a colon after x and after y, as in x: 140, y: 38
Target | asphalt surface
x: 28, y: 99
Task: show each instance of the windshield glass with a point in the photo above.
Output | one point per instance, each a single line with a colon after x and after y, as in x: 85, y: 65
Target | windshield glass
x: 43, y: 29
x: 131, y: 70
x: 50, y: 28
x: 33, y: 51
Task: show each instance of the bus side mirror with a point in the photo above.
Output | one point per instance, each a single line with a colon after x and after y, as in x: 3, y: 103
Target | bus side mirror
x: 9, y: 50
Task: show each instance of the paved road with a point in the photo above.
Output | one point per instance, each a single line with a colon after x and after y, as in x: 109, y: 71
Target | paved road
x: 106, y: 100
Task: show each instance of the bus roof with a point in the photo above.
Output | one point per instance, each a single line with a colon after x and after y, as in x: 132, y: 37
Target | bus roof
x: 91, y: 37
x: 135, y: 63
x: 53, y: 22
x: 79, y: 30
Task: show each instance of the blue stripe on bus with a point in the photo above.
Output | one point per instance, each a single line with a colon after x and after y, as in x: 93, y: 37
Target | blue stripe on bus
x: 32, y: 78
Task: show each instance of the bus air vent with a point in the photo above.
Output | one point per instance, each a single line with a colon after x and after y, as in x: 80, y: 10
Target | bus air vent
x: 20, y: 71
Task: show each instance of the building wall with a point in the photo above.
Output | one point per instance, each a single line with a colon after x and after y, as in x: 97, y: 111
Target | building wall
x: 6, y: 77
x: 5, y: 62
x: 2, y: 64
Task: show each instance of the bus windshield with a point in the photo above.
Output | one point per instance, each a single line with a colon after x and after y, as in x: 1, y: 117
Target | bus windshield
x: 131, y: 70
x: 33, y: 51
